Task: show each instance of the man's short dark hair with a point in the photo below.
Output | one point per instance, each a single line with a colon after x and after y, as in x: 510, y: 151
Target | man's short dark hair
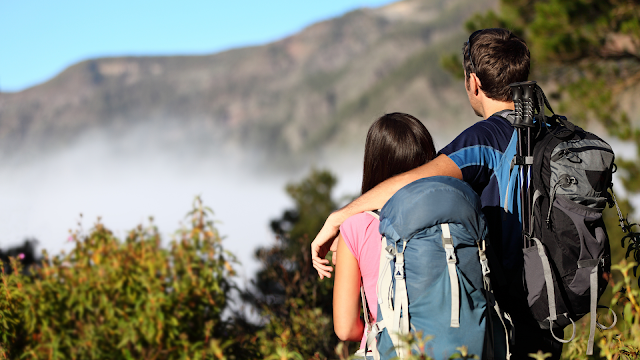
x: 499, y: 58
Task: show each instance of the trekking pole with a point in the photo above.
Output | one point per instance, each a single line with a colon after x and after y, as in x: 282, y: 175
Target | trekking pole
x: 524, y: 105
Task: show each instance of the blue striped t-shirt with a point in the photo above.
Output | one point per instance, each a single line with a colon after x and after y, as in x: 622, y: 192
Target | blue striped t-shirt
x: 479, y: 152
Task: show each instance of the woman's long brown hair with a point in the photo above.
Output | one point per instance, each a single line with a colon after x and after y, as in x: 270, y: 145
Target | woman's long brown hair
x: 396, y: 143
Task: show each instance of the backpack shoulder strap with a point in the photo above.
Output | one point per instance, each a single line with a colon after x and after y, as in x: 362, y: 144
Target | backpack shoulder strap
x: 508, y: 115
x: 450, y: 252
x: 505, y: 318
x: 365, y: 307
x: 374, y: 213
x: 384, y: 304
x: 363, y: 296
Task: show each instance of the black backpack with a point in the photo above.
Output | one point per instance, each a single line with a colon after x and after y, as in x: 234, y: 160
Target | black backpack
x: 567, y: 251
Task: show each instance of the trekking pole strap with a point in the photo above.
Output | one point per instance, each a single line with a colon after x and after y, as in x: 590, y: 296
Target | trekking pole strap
x: 542, y: 102
x: 450, y: 253
x: 613, y: 199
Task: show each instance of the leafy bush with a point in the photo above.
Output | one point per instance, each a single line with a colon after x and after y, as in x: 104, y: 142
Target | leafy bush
x: 134, y: 299
x: 296, y: 305
x: 131, y: 299
x: 623, y: 340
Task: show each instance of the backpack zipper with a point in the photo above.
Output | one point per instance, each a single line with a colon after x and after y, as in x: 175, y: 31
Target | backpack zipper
x: 564, y: 181
x: 564, y: 152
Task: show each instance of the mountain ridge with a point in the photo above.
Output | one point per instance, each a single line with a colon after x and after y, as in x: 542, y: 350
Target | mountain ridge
x: 312, y: 90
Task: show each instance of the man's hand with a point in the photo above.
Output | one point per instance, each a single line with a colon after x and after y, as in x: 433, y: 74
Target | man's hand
x: 325, y: 241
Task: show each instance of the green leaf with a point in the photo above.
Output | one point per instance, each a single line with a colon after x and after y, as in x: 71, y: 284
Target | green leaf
x: 627, y: 315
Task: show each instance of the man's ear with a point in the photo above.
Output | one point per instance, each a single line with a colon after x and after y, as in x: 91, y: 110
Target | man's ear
x: 474, y: 84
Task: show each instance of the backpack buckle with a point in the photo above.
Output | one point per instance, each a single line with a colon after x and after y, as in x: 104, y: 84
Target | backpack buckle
x: 391, y: 252
x: 484, y: 263
x: 447, y: 244
x: 450, y: 252
x: 398, y: 272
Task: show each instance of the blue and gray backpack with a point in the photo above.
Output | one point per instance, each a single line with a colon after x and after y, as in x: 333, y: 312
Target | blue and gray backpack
x: 433, y: 277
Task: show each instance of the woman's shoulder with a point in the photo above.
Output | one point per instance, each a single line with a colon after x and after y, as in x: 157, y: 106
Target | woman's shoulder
x: 359, y: 227
x: 357, y: 230
x: 360, y: 220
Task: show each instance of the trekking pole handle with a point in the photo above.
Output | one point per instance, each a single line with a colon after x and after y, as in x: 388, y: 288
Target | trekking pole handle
x: 516, y: 93
x: 523, y: 101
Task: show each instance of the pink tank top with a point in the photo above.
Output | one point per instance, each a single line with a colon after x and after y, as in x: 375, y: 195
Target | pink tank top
x: 360, y: 233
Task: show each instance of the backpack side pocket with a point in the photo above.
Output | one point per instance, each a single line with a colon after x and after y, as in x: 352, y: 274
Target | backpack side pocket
x: 587, y: 224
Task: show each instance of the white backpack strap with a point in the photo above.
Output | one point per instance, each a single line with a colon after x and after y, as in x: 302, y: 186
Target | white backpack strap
x: 548, y: 279
x: 551, y: 297
x: 363, y: 296
x: 385, y: 287
x: 400, y: 325
x: 384, y: 291
x: 593, y: 305
x: 371, y: 340
x: 384, y: 281
x: 450, y: 252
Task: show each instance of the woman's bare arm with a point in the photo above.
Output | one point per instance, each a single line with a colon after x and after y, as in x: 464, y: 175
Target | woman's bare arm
x: 371, y: 200
x: 346, y: 296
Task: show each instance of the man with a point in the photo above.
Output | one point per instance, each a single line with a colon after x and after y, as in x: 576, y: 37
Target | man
x: 493, y: 59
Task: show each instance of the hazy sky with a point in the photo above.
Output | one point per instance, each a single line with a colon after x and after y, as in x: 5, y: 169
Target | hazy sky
x: 40, y: 38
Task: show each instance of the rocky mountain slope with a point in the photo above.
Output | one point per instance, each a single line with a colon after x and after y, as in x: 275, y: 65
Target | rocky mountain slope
x: 319, y: 88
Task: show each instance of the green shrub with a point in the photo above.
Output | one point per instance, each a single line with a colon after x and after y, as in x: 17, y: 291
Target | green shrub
x: 623, y: 340
x: 131, y: 299
x: 295, y: 304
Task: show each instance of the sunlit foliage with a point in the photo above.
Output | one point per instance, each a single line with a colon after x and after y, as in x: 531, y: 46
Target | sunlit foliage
x: 123, y: 299
x: 296, y: 305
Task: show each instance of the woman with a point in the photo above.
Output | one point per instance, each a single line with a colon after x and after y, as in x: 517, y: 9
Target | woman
x: 395, y: 143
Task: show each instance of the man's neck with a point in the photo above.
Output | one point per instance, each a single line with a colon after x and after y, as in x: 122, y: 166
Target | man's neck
x: 491, y: 107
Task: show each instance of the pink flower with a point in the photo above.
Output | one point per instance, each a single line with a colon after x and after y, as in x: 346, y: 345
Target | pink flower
x: 70, y: 239
x: 21, y: 256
